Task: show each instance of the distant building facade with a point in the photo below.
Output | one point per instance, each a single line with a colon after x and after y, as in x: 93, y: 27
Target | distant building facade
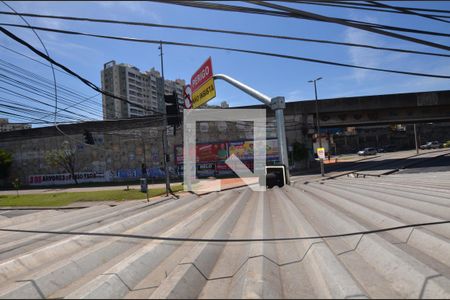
x: 144, y: 91
x: 6, y: 126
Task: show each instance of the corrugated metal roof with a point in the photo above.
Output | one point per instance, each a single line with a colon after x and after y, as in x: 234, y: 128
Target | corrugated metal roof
x: 405, y: 263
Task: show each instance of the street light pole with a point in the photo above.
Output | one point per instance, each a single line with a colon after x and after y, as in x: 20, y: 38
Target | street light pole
x: 415, y: 139
x: 322, y: 171
x: 164, y: 134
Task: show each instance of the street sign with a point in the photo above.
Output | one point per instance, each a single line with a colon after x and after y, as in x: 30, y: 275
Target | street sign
x: 187, y: 97
x: 202, y: 84
x: 321, y: 153
x: 205, y: 93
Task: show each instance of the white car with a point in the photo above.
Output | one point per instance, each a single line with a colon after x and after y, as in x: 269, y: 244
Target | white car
x: 431, y: 145
x: 367, y: 151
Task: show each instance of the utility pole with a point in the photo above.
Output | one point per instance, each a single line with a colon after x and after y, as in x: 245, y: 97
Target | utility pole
x: 145, y: 166
x: 322, y: 171
x: 415, y: 139
x: 164, y: 134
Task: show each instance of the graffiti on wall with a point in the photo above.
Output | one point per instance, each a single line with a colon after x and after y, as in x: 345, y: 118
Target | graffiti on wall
x: 65, y: 178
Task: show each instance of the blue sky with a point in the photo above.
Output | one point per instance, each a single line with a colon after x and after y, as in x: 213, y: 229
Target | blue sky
x: 272, y: 76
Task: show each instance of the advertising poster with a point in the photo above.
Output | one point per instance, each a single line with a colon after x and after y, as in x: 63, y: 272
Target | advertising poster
x: 272, y: 150
x: 223, y: 169
x: 211, y: 152
x: 211, y: 156
x: 243, y: 149
x: 206, y: 170
x: 179, y: 154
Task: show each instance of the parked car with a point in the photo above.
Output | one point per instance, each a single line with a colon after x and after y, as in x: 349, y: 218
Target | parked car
x: 367, y: 151
x: 431, y: 145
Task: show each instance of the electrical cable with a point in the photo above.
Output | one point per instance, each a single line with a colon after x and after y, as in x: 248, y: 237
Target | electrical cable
x: 43, y: 81
x: 47, y: 55
x: 37, y: 91
x: 407, y: 11
x: 35, y: 60
x: 203, y: 29
x: 176, y: 239
x: 360, y: 25
x: 370, y: 7
x: 22, y: 117
x: 33, y: 82
x: 222, y: 48
x: 51, y: 64
x: 25, y: 88
x: 18, y: 106
x: 85, y: 81
x: 232, y: 8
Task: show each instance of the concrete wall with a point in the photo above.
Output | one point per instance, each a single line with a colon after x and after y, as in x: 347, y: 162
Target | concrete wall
x: 118, y: 153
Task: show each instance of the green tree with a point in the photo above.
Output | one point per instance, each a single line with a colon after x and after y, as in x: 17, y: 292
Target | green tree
x: 5, y: 164
x: 65, y: 158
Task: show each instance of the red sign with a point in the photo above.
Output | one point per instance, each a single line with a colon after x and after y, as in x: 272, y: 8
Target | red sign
x: 203, y: 74
x: 211, y: 152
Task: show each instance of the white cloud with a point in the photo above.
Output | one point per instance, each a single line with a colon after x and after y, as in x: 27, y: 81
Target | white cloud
x: 362, y: 56
x: 84, y: 55
x: 118, y: 8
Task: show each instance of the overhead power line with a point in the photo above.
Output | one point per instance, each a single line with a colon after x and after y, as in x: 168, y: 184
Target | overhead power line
x: 242, y: 33
x: 372, y: 7
x: 242, y: 240
x: 44, y: 82
x: 233, y: 50
x: 33, y: 59
x: 365, y: 27
x: 407, y: 11
x: 285, y: 14
x: 232, y: 8
x: 15, y: 93
x: 82, y: 79
x: 40, y: 89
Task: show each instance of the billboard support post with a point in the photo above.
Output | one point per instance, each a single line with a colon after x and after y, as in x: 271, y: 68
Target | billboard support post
x: 277, y: 104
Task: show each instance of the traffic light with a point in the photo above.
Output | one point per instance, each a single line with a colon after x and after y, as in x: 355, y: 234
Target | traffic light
x: 88, y: 138
x: 172, y: 110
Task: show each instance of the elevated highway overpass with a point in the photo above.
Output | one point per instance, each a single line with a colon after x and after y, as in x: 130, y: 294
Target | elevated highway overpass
x: 418, y: 107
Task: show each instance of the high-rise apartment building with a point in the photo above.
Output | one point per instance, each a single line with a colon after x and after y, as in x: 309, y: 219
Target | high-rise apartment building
x: 144, y: 91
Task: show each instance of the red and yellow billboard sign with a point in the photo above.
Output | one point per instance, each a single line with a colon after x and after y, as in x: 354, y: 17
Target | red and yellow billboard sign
x: 202, y: 84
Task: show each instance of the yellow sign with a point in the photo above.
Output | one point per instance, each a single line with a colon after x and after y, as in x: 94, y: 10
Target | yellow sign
x: 204, y: 93
x: 321, y: 153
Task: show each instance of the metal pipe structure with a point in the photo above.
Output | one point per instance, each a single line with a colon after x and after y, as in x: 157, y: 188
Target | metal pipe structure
x: 245, y: 88
x: 277, y: 104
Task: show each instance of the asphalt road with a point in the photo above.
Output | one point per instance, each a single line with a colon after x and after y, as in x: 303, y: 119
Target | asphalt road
x: 439, y: 164
x: 385, y: 163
